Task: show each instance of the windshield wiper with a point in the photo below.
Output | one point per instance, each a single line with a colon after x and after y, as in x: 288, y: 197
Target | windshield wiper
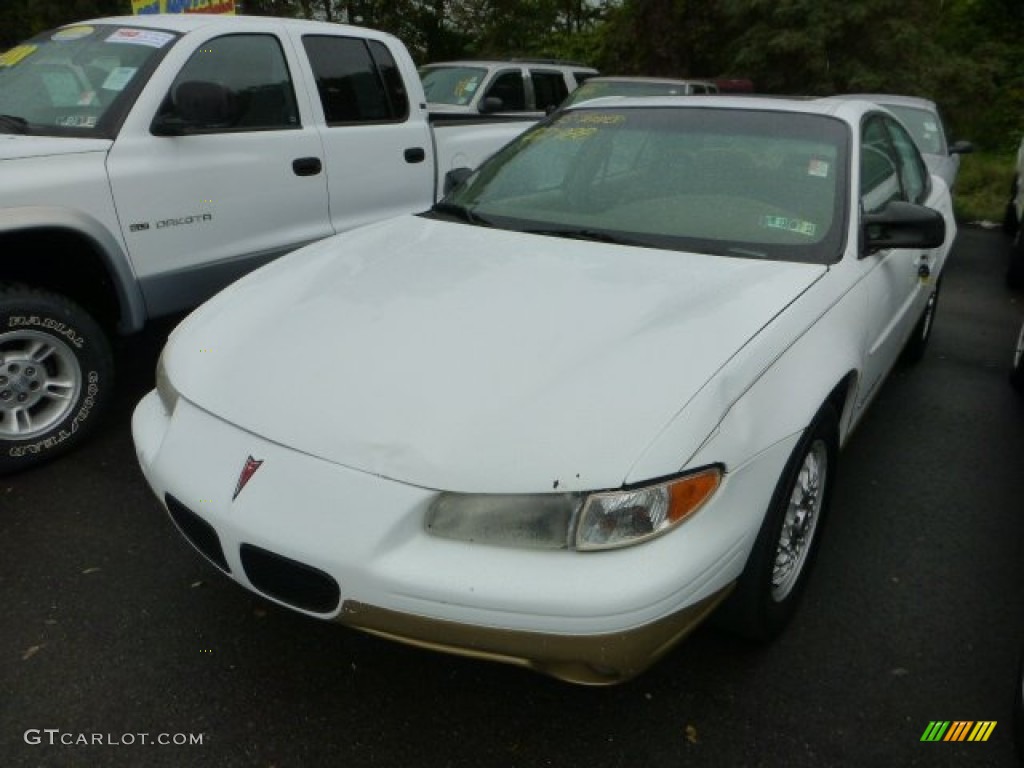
x: 13, y: 124
x: 460, y: 212
x: 587, y: 234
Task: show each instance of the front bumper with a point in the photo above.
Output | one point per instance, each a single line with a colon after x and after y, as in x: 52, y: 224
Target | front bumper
x: 344, y: 545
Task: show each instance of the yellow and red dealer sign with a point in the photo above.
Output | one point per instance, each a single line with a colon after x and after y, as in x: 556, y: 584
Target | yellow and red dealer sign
x: 182, y: 6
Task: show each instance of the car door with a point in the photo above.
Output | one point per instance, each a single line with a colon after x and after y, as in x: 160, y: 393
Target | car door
x: 898, y: 279
x: 217, y: 194
x: 378, y: 151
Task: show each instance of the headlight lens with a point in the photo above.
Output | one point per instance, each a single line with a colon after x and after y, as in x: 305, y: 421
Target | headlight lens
x: 165, y: 391
x: 560, y: 521
x: 539, y: 521
x: 621, y: 518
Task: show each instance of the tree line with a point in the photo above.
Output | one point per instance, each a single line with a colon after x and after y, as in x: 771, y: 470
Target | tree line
x: 967, y: 55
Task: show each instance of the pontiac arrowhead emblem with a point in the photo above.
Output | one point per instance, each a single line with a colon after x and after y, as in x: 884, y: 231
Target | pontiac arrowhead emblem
x: 251, y: 465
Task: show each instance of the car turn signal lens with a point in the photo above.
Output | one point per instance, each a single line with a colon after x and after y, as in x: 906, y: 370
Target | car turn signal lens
x: 622, y: 518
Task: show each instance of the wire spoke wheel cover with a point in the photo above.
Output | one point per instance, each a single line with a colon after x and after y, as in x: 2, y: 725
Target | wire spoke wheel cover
x: 801, y: 521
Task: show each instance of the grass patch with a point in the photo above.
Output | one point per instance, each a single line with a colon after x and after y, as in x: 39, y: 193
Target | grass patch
x: 983, y: 186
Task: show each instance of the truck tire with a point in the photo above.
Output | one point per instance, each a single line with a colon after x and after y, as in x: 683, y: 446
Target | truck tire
x: 56, y: 376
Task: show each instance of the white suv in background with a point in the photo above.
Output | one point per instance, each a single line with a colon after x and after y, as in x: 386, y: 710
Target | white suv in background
x: 487, y: 87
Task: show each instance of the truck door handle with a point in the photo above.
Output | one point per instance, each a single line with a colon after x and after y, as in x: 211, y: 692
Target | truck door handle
x: 415, y: 155
x: 307, y: 166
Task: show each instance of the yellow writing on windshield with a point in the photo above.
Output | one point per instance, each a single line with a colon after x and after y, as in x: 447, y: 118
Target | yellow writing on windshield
x: 14, y: 55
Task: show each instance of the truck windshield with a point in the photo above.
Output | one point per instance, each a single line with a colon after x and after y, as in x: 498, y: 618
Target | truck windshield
x: 78, y: 80
x: 451, y: 85
x: 732, y: 182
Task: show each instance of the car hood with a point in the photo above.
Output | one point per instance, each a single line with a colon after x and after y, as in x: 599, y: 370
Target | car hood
x: 16, y: 146
x: 474, y: 359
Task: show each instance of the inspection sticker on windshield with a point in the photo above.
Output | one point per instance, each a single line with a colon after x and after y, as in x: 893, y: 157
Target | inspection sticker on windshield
x: 799, y: 226
x: 148, y: 37
x: 118, y: 78
x: 16, y: 54
x: 818, y: 168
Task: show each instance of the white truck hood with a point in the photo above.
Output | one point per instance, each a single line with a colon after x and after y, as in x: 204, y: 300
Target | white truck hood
x: 16, y: 146
x: 474, y: 359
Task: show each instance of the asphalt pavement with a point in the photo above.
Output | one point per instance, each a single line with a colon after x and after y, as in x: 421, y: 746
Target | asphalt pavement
x: 116, y: 636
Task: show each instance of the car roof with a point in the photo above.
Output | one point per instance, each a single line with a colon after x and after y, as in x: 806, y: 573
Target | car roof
x: 848, y: 110
x: 890, y: 98
x: 509, y: 63
x: 188, y: 22
x: 646, y: 79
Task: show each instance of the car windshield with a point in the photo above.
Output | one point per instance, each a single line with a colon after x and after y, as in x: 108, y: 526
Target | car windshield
x: 924, y: 125
x: 595, y: 89
x: 76, y: 81
x: 736, y: 182
x: 451, y: 85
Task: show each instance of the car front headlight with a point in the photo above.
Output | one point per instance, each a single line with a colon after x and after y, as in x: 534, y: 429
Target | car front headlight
x: 164, y: 389
x: 605, y: 520
x: 621, y: 518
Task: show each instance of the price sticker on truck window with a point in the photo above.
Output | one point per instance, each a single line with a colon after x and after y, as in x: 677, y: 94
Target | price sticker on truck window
x: 149, y: 37
x: 16, y: 54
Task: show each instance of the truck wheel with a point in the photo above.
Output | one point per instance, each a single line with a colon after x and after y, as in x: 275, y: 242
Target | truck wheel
x: 774, y: 578
x: 56, y: 376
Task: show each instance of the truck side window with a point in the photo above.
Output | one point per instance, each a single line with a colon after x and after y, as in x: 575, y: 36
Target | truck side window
x: 508, y: 86
x: 248, y: 73
x: 353, y: 86
x: 549, y: 88
x: 398, y: 97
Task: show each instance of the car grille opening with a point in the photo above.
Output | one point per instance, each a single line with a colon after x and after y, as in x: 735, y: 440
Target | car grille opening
x: 297, y: 584
x: 200, y: 533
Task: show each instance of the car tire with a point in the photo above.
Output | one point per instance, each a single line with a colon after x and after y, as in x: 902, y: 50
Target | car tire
x: 1017, y: 372
x: 918, y: 341
x: 56, y: 376
x: 776, y: 573
x: 1015, y: 270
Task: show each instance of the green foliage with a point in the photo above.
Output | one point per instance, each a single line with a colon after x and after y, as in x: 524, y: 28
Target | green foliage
x: 967, y: 55
x: 983, y: 186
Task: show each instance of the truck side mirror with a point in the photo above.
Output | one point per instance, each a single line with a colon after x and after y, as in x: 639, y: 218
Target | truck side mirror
x: 491, y: 104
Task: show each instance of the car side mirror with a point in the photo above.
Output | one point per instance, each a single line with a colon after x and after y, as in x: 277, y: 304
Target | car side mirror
x: 903, y: 225
x: 197, y: 105
x: 455, y: 177
x: 961, y: 148
x: 491, y: 104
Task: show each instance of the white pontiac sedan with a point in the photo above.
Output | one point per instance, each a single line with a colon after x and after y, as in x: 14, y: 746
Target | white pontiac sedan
x: 594, y: 393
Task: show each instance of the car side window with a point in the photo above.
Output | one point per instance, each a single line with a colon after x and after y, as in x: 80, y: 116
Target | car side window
x: 549, y: 88
x: 354, y: 85
x: 234, y: 83
x: 508, y: 86
x: 912, y: 168
x: 879, y: 168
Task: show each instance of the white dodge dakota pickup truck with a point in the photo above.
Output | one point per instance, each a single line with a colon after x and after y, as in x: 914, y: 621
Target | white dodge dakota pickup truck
x: 146, y: 162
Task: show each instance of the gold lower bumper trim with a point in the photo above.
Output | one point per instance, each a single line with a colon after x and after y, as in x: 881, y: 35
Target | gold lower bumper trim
x: 585, y: 659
